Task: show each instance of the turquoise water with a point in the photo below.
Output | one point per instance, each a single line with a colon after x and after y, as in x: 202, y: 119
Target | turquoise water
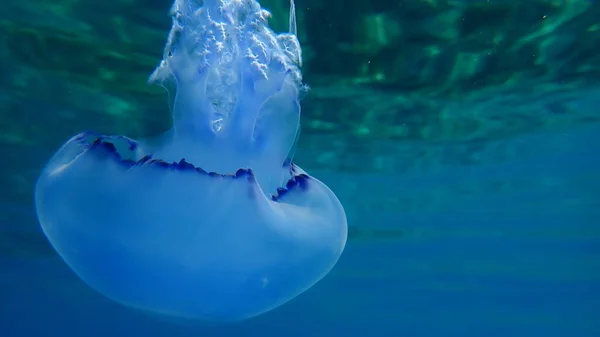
x: 507, y: 245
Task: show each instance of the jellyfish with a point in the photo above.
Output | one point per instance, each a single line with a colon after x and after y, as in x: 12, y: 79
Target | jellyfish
x: 211, y: 221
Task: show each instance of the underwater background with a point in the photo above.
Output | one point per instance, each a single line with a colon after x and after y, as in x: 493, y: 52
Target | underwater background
x: 461, y: 136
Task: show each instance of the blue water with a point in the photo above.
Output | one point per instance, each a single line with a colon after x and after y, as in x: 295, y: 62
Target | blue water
x: 501, y: 248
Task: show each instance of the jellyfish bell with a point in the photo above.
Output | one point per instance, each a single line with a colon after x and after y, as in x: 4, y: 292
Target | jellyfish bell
x: 212, y: 222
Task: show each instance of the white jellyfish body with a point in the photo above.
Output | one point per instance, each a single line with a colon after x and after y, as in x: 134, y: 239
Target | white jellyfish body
x: 214, y: 222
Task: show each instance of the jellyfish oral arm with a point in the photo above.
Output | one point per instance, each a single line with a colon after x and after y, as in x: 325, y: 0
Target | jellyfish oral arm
x: 236, y: 82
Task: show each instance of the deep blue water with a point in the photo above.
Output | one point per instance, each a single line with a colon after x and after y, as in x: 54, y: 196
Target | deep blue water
x: 506, y: 248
